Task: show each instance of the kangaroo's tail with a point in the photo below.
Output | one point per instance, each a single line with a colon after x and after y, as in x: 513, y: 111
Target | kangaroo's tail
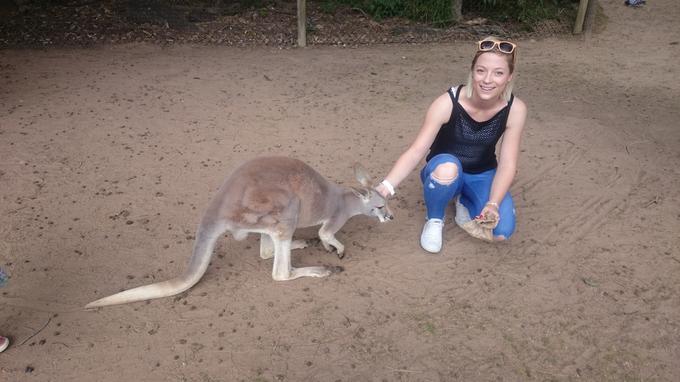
x: 206, y: 236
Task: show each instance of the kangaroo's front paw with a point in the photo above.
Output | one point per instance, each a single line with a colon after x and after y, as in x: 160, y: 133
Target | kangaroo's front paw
x: 341, y: 250
x: 341, y: 253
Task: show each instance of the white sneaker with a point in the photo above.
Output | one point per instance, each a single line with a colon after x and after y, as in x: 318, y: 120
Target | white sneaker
x: 431, y: 238
x: 4, y: 343
x: 462, y: 214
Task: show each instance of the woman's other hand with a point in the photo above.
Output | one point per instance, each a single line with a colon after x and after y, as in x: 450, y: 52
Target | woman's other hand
x: 489, y: 217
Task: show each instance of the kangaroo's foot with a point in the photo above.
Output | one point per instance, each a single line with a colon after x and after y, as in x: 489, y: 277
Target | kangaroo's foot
x: 309, y: 272
x: 315, y: 271
x: 295, y: 273
x: 319, y: 271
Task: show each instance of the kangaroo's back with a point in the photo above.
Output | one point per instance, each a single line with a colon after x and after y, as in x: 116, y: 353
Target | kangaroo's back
x: 260, y: 189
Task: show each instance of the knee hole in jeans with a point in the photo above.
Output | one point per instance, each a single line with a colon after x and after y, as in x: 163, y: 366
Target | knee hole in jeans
x: 445, y: 173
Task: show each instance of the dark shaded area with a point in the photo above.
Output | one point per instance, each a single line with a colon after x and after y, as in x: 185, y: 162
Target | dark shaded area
x: 43, y: 23
x: 527, y: 12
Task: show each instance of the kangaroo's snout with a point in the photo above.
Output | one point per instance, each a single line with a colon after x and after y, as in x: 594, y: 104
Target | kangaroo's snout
x: 385, y: 218
x: 383, y: 213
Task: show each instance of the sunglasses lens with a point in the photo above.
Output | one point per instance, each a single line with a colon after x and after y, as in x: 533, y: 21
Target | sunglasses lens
x: 486, y: 45
x: 505, y: 47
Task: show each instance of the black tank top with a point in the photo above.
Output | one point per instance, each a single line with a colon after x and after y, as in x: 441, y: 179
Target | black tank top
x: 472, y: 142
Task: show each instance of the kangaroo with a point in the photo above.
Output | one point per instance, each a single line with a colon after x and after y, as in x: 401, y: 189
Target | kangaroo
x: 271, y: 196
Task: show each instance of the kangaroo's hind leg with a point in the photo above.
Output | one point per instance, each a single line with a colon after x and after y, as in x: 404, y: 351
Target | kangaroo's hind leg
x: 283, y: 269
x: 283, y: 243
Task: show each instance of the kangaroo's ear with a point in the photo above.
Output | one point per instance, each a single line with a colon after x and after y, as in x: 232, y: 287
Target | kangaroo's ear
x: 362, y: 193
x: 362, y: 175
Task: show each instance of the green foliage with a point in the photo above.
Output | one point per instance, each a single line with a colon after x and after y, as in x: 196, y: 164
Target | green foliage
x: 438, y: 12
x: 430, y: 11
x: 527, y: 12
x: 382, y: 9
x: 330, y: 6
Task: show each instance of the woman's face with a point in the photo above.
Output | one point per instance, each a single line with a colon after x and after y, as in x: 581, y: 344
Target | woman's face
x: 490, y: 75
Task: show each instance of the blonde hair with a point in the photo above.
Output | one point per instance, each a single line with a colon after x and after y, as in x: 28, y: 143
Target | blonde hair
x: 511, y: 64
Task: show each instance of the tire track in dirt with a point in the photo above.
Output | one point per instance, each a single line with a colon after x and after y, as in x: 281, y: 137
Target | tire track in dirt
x: 592, y: 214
x: 572, y: 155
x: 602, y: 210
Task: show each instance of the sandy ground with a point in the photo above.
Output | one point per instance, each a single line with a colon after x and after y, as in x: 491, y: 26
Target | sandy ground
x: 110, y: 155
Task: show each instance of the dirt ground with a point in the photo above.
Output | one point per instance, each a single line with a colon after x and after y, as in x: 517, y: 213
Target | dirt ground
x: 110, y: 154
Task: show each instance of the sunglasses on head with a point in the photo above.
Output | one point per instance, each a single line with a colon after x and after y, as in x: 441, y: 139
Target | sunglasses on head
x: 503, y: 46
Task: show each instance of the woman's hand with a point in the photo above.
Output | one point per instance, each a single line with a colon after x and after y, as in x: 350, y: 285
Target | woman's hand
x: 489, y: 217
x: 382, y: 190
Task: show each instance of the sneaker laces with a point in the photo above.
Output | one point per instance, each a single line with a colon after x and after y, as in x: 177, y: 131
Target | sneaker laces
x: 434, y: 222
x: 431, y: 238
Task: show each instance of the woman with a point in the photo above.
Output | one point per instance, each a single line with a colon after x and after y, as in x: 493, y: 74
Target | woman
x: 459, y: 136
x: 4, y: 341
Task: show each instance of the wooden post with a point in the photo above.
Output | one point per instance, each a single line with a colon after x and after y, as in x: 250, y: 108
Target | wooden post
x: 580, y: 16
x: 302, y: 23
x: 589, y: 20
x: 456, y: 11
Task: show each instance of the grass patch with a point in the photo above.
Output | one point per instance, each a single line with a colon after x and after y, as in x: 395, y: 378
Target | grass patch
x: 436, y: 12
x: 525, y: 12
x: 429, y: 328
x: 439, y: 12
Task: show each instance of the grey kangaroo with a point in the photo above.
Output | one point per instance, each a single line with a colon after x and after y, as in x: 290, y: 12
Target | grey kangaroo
x: 271, y: 196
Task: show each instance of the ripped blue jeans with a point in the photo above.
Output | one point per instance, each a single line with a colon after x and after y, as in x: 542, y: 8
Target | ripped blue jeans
x: 474, y: 192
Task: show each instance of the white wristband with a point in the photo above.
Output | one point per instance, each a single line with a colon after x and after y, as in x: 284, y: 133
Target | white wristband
x: 388, y: 186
